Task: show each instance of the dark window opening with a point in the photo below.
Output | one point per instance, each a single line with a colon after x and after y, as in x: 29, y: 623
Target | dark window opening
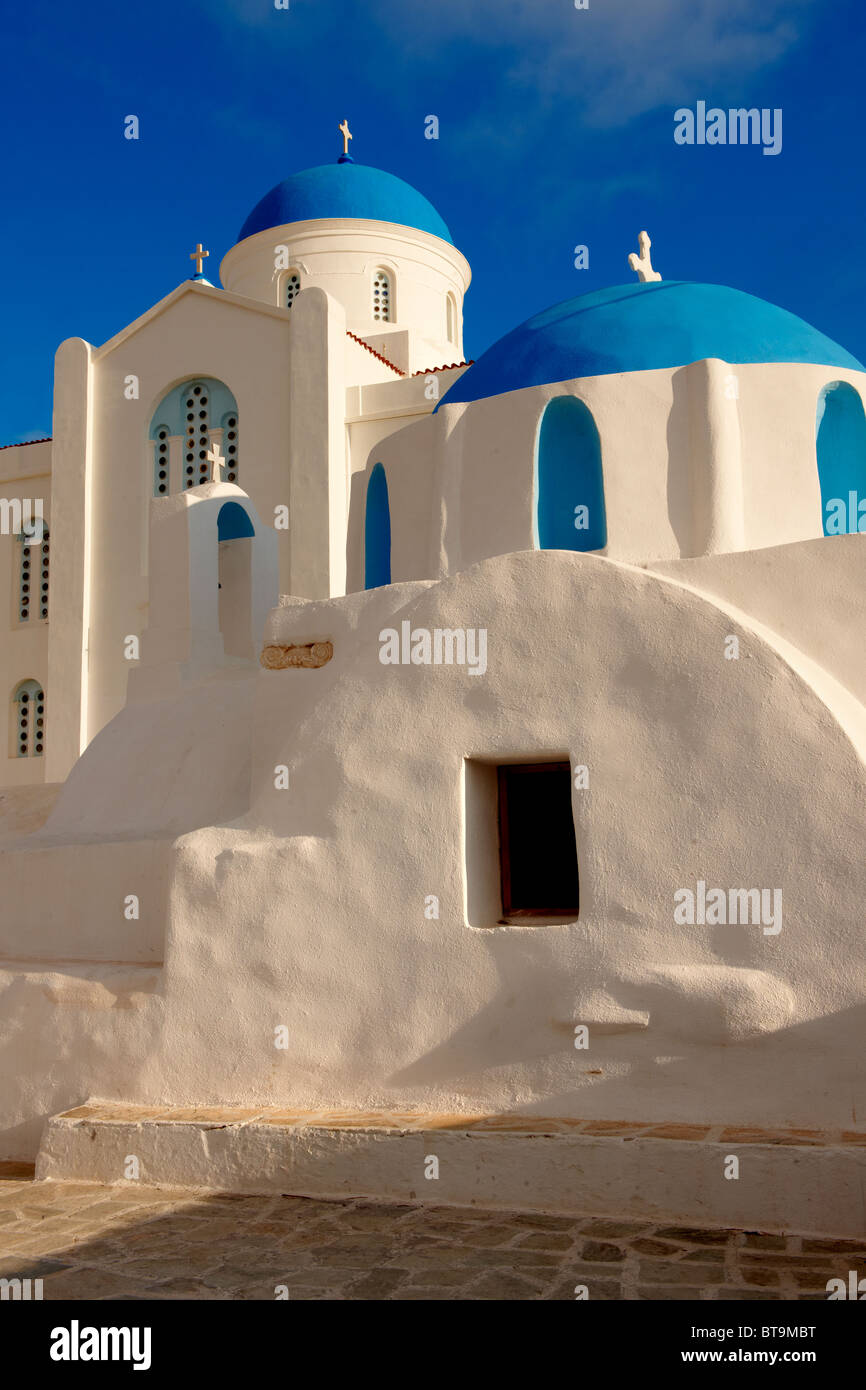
x: 537, y: 849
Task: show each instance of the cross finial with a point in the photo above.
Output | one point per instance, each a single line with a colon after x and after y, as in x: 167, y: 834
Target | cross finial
x: 217, y: 460
x: 642, y: 264
x: 198, y: 255
x: 347, y: 135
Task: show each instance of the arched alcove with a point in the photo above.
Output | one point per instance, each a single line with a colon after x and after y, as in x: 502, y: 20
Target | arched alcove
x: 233, y: 522
x: 235, y: 534
x: 569, y: 484
x: 377, y: 531
x: 451, y: 318
x: 841, y: 450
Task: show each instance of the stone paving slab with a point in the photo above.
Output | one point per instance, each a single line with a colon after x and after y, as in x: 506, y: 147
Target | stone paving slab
x: 86, y: 1241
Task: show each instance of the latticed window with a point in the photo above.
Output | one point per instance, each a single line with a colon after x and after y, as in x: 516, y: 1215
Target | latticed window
x: 382, y: 296
x: 33, y: 577
x: 187, y: 425
x: 293, y: 288
x: 230, y: 447
x: 28, y: 705
x: 197, y: 468
x: 161, y: 462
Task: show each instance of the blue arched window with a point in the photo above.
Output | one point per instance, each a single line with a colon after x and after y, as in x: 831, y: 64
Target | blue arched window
x: 841, y: 448
x: 186, y: 425
x: 377, y: 531
x: 569, y: 510
x: 233, y: 522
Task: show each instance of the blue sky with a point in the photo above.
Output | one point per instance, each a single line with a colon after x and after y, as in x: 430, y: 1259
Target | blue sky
x: 556, y: 129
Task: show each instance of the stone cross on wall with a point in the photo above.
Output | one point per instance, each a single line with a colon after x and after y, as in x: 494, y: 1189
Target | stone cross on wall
x: 217, y: 460
x: 642, y: 264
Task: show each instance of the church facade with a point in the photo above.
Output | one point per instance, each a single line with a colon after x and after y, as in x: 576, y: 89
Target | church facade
x: 293, y: 394
x: 497, y: 730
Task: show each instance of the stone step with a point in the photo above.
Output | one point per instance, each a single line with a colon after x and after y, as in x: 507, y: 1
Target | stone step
x: 794, y: 1180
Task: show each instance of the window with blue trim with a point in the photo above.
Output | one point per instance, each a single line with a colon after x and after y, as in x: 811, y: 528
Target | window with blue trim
x: 377, y: 531
x: 569, y: 483
x: 841, y: 451
x: 186, y: 425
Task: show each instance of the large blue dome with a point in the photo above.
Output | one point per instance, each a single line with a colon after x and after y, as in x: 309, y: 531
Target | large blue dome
x: 633, y: 328
x: 345, y: 190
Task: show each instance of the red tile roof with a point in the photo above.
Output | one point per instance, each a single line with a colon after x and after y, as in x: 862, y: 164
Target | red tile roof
x: 447, y: 368
x: 25, y: 442
x: 356, y: 339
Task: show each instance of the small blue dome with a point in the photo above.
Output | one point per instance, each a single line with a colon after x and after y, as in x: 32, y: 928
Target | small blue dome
x: 633, y: 328
x: 347, y: 190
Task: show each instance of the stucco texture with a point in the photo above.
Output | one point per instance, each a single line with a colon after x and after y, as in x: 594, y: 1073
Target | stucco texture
x: 308, y: 909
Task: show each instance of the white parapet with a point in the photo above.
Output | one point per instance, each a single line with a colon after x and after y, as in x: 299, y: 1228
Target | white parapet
x: 788, y: 1182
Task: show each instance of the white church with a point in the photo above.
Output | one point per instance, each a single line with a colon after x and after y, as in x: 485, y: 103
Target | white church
x: 399, y: 744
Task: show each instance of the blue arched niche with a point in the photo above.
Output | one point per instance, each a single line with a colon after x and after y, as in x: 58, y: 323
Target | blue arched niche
x: 233, y: 523
x: 569, y: 486
x: 377, y: 531
x: 841, y: 448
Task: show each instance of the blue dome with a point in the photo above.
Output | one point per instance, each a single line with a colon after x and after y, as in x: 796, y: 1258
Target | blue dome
x: 633, y: 328
x: 345, y: 190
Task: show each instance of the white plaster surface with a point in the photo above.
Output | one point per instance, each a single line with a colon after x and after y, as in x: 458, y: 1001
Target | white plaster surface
x: 305, y: 907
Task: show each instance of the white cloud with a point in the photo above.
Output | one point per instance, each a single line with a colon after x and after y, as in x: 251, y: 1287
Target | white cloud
x: 615, y: 60
x: 599, y: 68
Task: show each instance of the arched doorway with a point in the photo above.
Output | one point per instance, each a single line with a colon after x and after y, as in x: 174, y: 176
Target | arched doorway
x: 841, y: 450
x: 377, y: 531
x: 569, y: 484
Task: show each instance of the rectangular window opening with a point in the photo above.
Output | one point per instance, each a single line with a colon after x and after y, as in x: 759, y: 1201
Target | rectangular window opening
x: 537, y: 850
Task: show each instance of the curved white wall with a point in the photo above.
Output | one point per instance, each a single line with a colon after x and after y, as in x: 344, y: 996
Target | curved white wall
x: 309, y: 910
x: 704, y: 459
x: 342, y: 256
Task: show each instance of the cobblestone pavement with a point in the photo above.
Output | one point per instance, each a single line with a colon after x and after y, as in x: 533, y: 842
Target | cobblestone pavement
x: 89, y: 1242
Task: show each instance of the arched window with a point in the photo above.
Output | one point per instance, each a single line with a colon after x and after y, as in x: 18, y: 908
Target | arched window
x: 292, y: 288
x: 841, y: 450
x: 197, y: 440
x: 451, y: 318
x: 186, y: 425
x: 377, y: 531
x: 569, y: 485
x: 28, y: 714
x: 33, y: 565
x: 233, y: 522
x: 382, y: 296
